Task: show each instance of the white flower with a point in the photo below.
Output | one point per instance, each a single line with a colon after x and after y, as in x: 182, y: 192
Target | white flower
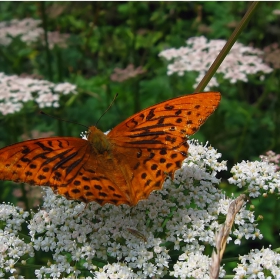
x: 76, y: 236
x: 257, y: 177
x: 199, y: 54
x: 27, y: 29
x: 114, y: 248
x: 16, y: 91
x: 12, y: 250
x: 255, y: 264
x: 192, y: 265
x: 149, y: 269
x: 115, y: 271
x: 65, y: 88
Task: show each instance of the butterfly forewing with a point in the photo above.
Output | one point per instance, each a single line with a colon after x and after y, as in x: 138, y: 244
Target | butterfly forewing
x: 168, y: 122
x: 155, y: 139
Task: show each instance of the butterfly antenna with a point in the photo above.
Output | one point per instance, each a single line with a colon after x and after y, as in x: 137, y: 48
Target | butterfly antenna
x: 107, y: 108
x: 43, y: 113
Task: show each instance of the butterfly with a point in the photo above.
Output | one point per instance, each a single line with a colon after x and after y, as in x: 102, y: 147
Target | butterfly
x: 122, y: 167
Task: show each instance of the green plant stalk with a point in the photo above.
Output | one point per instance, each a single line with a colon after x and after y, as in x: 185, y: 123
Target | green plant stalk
x: 32, y: 266
x: 24, y: 236
x: 132, y: 57
x: 9, y: 59
x: 232, y: 39
x: 59, y: 63
x: 48, y: 54
x: 229, y: 276
x: 233, y: 259
x: 24, y: 196
x: 241, y: 140
x: 275, y: 141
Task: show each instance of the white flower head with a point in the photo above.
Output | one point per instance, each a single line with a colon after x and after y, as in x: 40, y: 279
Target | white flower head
x: 15, y: 91
x: 182, y: 216
x: 200, y: 53
x: 258, y: 263
x: 257, y: 177
x: 27, y: 30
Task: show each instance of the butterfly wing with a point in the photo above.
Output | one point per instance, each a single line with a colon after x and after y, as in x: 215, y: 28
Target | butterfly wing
x: 154, y: 141
x: 160, y: 123
x: 122, y: 167
x: 66, y: 164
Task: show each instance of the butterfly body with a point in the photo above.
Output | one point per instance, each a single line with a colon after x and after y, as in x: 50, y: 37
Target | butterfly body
x: 122, y: 167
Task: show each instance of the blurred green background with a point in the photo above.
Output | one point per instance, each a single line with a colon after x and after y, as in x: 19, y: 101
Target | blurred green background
x: 103, y: 36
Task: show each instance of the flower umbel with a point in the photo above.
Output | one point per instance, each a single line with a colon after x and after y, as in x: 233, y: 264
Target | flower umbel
x: 28, y: 31
x: 259, y: 264
x: 272, y: 157
x: 257, y: 177
x: 200, y: 53
x: 12, y: 248
x: 175, y: 221
x: 16, y: 91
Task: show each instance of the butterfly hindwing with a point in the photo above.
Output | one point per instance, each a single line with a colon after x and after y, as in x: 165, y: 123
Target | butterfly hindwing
x: 66, y: 164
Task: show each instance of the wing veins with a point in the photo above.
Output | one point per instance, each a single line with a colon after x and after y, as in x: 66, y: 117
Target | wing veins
x: 157, y: 125
x: 151, y: 141
x: 64, y: 160
x: 56, y: 157
x: 43, y: 147
x: 148, y: 133
x: 73, y: 165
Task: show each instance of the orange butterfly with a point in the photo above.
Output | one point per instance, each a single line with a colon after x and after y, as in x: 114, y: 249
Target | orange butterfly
x: 122, y: 167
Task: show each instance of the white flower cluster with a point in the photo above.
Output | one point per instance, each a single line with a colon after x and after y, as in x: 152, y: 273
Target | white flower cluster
x: 27, y: 29
x: 98, y: 232
x: 56, y: 38
x: 257, y: 177
x: 12, y: 248
x: 259, y: 264
x: 193, y: 265
x: 13, y: 217
x: 115, y: 271
x: 16, y: 91
x: 200, y: 53
x: 272, y: 157
x: 182, y: 217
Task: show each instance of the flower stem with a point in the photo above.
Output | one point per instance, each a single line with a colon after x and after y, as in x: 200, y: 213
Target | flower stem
x: 48, y: 54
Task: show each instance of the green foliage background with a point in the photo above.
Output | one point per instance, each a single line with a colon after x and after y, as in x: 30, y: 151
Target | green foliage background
x: 107, y: 35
